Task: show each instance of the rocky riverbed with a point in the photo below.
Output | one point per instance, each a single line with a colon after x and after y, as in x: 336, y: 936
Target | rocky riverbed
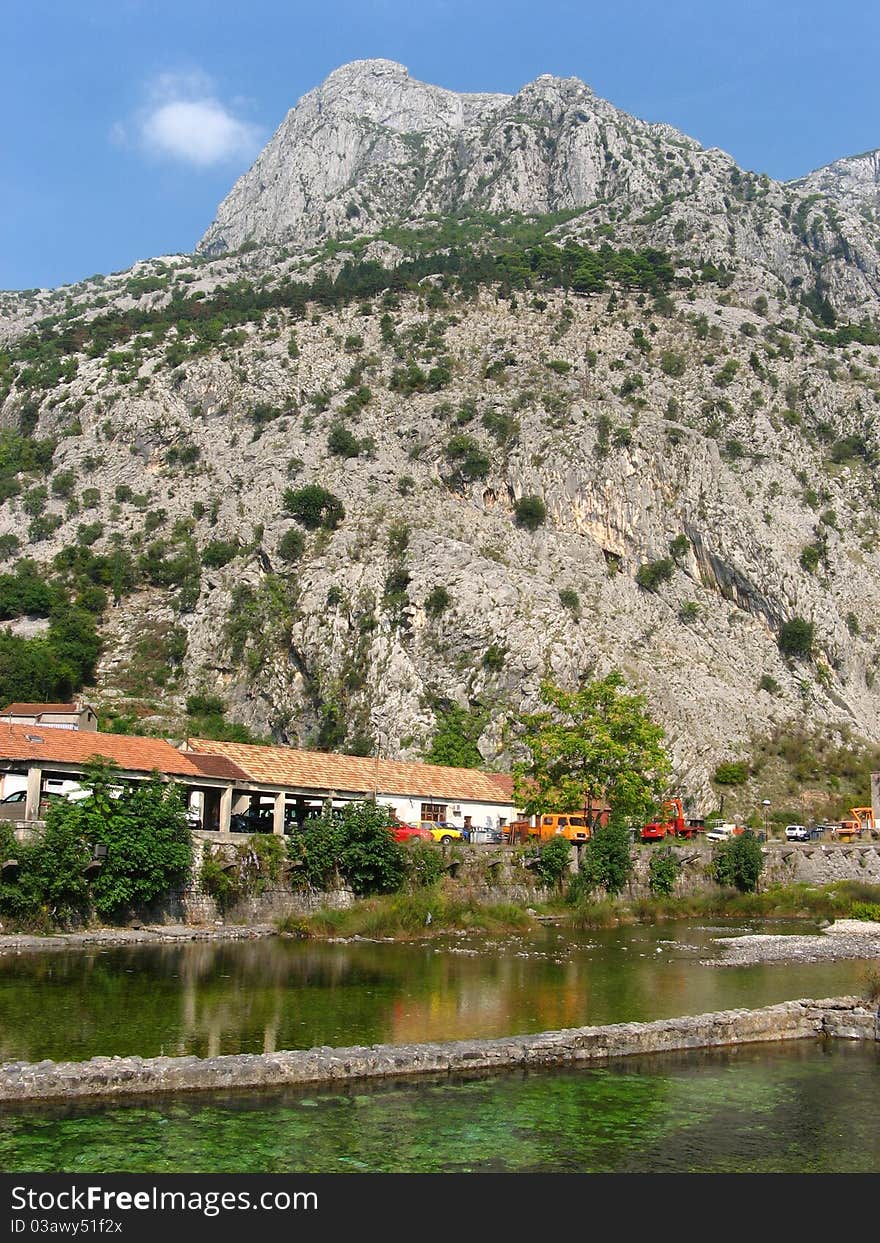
x: 845, y: 938
x: 147, y: 934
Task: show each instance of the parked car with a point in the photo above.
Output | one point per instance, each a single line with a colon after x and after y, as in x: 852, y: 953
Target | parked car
x: 443, y: 832
x: 797, y: 833
x: 724, y: 832
x: 411, y: 833
x: 260, y: 820
x: 20, y: 796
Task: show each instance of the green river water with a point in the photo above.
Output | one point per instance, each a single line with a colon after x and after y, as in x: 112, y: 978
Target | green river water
x: 258, y: 996
x: 802, y: 1107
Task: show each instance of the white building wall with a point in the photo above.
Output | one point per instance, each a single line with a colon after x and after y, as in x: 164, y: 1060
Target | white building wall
x: 483, y: 815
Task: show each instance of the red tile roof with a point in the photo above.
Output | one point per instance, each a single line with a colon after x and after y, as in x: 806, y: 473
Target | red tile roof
x: 217, y: 766
x: 350, y: 774
x: 70, y: 746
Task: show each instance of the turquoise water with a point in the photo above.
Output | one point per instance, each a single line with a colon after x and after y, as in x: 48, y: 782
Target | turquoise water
x: 807, y: 1106
x: 256, y: 996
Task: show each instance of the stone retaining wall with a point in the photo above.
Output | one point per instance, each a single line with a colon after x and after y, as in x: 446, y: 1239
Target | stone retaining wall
x: 496, y: 874
x: 840, y: 1017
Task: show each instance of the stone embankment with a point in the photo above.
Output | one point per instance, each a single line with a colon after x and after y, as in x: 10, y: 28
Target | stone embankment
x: 840, y: 1017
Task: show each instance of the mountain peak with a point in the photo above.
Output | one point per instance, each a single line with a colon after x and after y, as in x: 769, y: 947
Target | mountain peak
x: 376, y: 67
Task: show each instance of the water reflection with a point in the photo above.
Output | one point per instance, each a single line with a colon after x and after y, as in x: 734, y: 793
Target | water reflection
x: 259, y: 996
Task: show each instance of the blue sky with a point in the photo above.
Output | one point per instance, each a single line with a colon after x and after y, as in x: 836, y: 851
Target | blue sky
x: 128, y: 120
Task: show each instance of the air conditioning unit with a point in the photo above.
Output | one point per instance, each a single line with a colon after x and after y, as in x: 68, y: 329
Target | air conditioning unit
x: 455, y: 811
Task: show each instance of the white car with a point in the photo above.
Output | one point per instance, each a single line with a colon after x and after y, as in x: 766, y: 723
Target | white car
x: 797, y: 833
x: 723, y: 832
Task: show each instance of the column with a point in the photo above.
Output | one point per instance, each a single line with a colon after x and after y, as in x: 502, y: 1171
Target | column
x: 278, y: 815
x: 225, y: 809
x: 34, y: 790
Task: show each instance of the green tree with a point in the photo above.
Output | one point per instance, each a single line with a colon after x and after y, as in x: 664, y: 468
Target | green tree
x: 738, y: 863
x: 143, y: 826
x: 553, y: 859
x: 796, y: 638
x: 606, y: 860
x: 650, y: 575
x: 530, y: 512
x: 663, y: 872
x: 314, y: 506
x: 596, y: 743
x: 454, y: 744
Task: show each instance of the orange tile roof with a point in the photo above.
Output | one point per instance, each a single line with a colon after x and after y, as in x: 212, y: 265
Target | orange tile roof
x: 351, y: 774
x: 70, y: 746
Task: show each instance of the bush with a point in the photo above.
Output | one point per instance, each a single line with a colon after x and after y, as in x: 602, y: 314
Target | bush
x: 795, y: 638
x: 738, y: 863
x: 650, y: 575
x: 205, y: 705
x: 341, y: 442
x: 437, y: 602
x: 357, y: 843
x: 149, y: 845
x: 50, y: 885
x: 569, y: 599
x: 552, y: 861
x: 663, y: 872
x: 219, y: 552
x: 530, y: 512
x: 734, y: 773
x: 865, y: 910
x: 455, y: 738
x: 424, y: 863
x: 605, y: 862
x: 470, y: 459
x: 314, y: 507
x: 672, y: 364
x: 149, y: 850
x: 291, y: 545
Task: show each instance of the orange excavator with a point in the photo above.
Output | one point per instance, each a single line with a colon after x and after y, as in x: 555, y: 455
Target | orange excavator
x: 671, y: 824
x: 861, y: 820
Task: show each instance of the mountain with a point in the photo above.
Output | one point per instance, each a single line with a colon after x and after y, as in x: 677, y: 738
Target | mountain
x: 853, y: 181
x: 461, y: 392
x: 372, y: 148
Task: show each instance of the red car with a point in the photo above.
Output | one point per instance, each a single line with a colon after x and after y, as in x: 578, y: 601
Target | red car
x: 410, y: 833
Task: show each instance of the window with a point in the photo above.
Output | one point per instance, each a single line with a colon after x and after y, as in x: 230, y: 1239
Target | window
x: 433, y: 812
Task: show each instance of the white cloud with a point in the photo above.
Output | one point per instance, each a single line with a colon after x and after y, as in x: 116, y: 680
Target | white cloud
x: 199, y: 131
x: 185, y: 121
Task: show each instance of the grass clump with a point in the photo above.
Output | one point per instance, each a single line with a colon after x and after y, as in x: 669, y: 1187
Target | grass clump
x: 406, y: 917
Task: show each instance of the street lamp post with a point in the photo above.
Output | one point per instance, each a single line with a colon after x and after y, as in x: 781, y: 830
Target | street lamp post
x: 766, y: 806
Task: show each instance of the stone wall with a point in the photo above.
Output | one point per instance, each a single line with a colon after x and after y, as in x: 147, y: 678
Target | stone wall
x: 840, y: 1018
x: 810, y: 863
x: 497, y: 874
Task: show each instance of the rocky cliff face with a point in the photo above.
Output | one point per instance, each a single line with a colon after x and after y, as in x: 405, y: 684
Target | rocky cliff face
x: 372, y: 147
x: 854, y: 180
x: 705, y: 454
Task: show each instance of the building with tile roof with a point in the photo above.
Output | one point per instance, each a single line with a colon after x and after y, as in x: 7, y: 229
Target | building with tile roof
x: 74, y: 715
x: 263, y: 787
